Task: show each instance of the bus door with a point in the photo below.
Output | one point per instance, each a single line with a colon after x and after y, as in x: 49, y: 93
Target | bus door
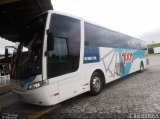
x: 64, y: 55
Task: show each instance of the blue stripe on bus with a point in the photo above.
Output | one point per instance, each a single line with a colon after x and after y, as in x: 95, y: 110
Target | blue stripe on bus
x: 138, y: 54
x: 91, y: 55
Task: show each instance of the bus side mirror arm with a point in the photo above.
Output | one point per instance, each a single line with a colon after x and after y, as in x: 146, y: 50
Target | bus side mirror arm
x: 6, y: 53
x: 46, y: 53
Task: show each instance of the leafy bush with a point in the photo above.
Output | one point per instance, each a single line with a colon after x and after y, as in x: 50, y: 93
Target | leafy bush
x: 150, y: 51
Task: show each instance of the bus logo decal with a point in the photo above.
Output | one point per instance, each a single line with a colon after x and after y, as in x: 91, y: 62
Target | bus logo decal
x: 127, y: 57
x: 91, y: 55
x: 90, y: 58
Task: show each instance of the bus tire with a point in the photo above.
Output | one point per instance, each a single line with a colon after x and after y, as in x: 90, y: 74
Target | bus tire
x: 141, y: 67
x: 96, y: 84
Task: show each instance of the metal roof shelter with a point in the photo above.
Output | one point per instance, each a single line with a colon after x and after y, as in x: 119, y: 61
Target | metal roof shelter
x: 14, y: 14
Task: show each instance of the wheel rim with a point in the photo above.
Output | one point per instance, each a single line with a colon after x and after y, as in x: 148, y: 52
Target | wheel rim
x: 96, y: 84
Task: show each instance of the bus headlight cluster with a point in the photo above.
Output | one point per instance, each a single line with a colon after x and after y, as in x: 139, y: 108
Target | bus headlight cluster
x: 37, y: 84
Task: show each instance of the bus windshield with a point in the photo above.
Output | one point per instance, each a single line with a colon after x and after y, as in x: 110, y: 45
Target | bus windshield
x: 28, y: 58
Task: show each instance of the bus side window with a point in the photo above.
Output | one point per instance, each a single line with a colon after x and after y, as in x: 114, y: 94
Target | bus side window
x: 64, y: 53
x: 86, y: 43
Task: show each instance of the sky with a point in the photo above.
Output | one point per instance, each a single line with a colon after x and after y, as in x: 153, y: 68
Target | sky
x: 137, y: 18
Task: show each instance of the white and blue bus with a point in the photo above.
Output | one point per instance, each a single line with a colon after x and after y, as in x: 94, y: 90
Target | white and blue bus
x: 61, y: 56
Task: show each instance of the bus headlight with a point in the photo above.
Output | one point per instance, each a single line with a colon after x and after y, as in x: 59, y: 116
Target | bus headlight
x: 37, y: 84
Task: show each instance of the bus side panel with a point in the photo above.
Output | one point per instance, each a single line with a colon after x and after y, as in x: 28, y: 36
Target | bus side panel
x: 130, y: 60
x: 71, y: 87
x: 114, y: 62
x: 138, y: 56
x: 104, y: 59
x: 110, y: 60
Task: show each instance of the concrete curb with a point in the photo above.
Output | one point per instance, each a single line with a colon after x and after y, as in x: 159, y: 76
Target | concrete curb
x: 43, y: 112
x: 39, y: 113
x: 5, y: 89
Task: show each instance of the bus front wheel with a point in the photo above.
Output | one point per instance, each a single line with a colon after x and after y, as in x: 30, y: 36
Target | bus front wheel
x: 96, y: 83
